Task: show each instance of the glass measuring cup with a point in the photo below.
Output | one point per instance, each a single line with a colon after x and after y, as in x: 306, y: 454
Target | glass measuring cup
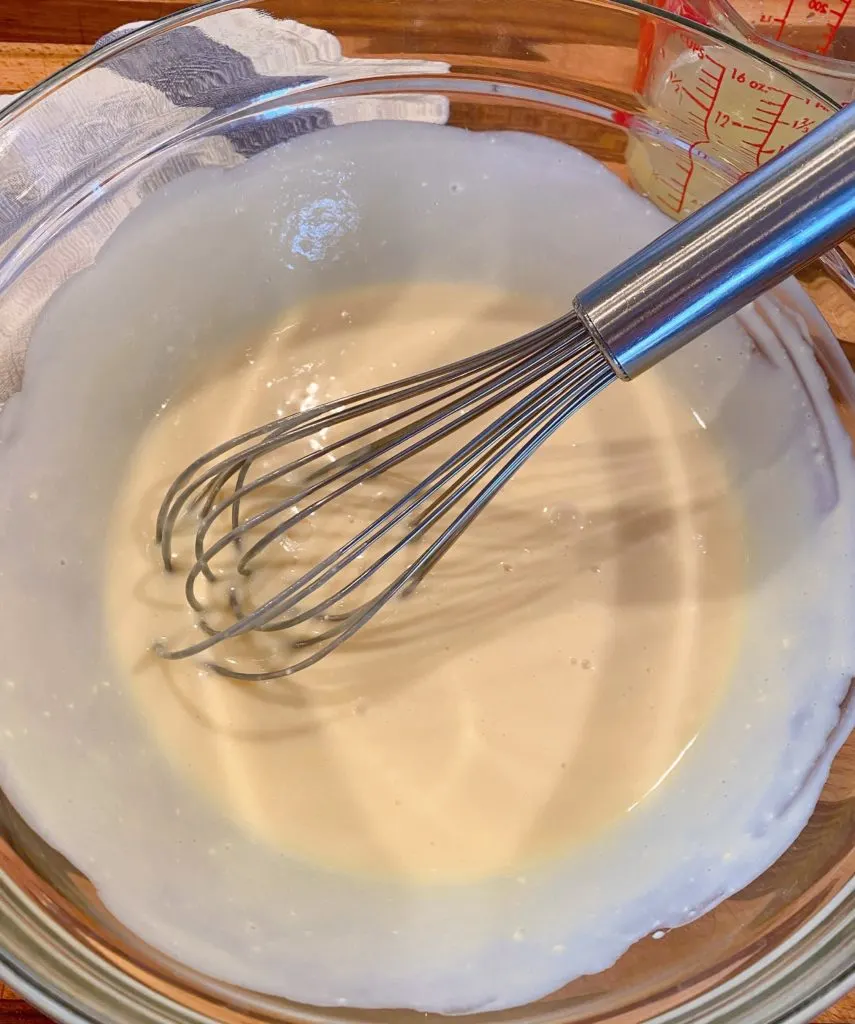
x: 720, y: 98
x: 824, y: 29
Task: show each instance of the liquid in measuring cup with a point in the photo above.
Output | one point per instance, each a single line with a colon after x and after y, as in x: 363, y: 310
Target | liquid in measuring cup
x: 729, y: 112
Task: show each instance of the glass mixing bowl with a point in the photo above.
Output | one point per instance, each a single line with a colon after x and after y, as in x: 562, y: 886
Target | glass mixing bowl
x: 82, y: 149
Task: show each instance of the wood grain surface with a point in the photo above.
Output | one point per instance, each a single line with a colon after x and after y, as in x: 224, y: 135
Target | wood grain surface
x: 38, y: 37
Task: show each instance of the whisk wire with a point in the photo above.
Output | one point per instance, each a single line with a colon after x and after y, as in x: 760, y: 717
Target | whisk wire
x: 355, y: 620
x: 345, y: 555
x: 323, y: 571
x: 365, y: 455
x: 330, y: 415
x: 556, y: 368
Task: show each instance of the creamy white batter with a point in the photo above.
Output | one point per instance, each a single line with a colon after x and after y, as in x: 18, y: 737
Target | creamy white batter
x: 551, y: 672
x: 485, y: 800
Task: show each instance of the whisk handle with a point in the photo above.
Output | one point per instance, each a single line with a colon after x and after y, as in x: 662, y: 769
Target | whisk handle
x: 716, y: 261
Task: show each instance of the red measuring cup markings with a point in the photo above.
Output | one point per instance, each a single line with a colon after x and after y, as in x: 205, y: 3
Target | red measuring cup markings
x: 802, y: 12
x: 720, y: 99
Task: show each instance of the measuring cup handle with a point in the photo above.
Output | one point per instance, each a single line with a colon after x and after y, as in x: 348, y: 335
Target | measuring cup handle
x: 762, y: 229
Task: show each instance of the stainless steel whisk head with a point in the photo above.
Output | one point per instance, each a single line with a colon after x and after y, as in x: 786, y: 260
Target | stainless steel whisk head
x: 531, y: 385
x: 764, y: 228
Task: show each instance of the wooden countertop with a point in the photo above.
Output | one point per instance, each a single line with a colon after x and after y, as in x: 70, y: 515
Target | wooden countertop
x: 36, y: 38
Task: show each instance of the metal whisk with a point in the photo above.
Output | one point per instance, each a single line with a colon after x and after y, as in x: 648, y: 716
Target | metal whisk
x: 761, y: 230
